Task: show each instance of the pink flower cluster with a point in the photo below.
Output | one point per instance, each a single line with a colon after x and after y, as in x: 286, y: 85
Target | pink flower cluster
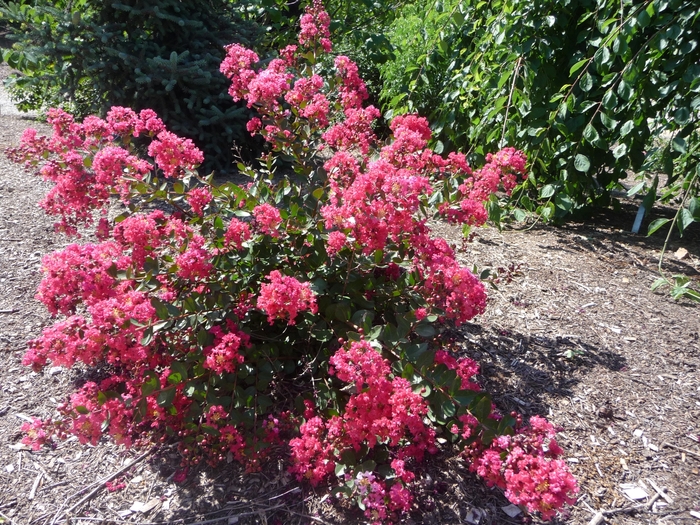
x: 502, y: 169
x: 466, y: 369
x: 237, y: 66
x: 236, y: 234
x: 315, y: 27
x: 267, y: 219
x: 380, y: 504
x: 198, y: 198
x: 446, y: 284
x: 223, y: 356
x: 284, y: 297
x: 91, y: 161
x: 527, y: 467
x: 383, y: 410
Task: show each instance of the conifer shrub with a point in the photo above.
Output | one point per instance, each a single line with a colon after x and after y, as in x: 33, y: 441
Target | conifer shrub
x: 86, y: 56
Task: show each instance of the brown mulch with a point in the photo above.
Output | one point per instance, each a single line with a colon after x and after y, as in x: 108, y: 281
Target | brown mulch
x: 572, y: 332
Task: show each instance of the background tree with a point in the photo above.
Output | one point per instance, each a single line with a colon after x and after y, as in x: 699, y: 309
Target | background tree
x: 591, y: 90
x: 87, y: 55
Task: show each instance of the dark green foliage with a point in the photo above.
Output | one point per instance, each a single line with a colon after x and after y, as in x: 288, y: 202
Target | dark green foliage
x: 88, y: 55
x: 589, y: 89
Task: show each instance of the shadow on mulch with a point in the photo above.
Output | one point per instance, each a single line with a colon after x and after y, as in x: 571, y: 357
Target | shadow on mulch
x: 522, y: 371
x: 608, y: 232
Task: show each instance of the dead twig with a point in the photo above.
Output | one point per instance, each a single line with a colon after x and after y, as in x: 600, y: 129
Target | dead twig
x: 661, y: 492
x: 690, y: 452
x: 601, y: 515
x: 35, y: 485
x: 10, y: 311
x: 99, y: 485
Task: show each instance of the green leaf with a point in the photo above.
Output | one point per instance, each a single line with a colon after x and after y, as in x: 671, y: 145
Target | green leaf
x: 685, y: 219
x: 150, y: 384
x: 620, y: 150
x: 482, y: 410
x: 563, y: 202
x: 581, y: 163
x: 547, y: 191
x: 166, y: 397
x: 679, y: 145
x: 635, y: 189
x: 519, y: 215
x: 655, y: 225
x: 180, y: 368
x: 694, y: 208
x: 425, y: 330
x: 643, y: 19
x: 661, y: 281
x: 586, y: 83
x: 682, y: 116
x: 590, y: 134
x: 626, y: 128
x: 624, y: 90
x: 175, y: 378
x: 610, y: 100
x: 608, y: 122
x: 414, y: 351
x: 578, y: 65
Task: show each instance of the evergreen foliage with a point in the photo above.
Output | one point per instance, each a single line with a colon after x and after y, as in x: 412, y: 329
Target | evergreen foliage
x: 87, y: 55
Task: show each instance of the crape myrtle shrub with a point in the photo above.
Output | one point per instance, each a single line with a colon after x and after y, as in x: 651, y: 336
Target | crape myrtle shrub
x: 588, y: 88
x: 302, y: 316
x: 88, y: 55
x: 358, y: 29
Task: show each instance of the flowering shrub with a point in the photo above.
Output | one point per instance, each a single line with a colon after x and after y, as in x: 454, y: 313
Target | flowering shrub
x: 324, y: 287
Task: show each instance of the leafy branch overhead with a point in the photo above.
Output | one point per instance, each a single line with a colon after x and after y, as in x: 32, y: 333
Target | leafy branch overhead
x: 590, y: 89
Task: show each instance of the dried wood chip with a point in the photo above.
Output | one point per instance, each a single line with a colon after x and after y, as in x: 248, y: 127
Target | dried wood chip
x: 511, y: 510
x: 32, y: 492
x: 474, y: 516
x: 660, y: 491
x: 680, y: 253
x: 634, y: 491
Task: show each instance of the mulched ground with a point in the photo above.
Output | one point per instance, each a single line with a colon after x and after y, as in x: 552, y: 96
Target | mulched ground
x: 572, y: 332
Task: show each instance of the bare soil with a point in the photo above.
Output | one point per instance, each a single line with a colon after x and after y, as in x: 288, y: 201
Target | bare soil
x: 572, y: 332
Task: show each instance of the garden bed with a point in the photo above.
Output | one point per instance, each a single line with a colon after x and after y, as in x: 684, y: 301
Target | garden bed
x: 572, y: 332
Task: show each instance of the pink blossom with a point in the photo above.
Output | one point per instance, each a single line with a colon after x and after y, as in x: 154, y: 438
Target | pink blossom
x: 224, y: 355
x: 269, y: 85
x: 284, y: 297
x: 315, y: 27
x: 198, y: 198
x: 194, y: 263
x: 237, y: 66
x: 267, y: 219
x: 174, y: 155
x: 336, y: 242
x: 236, y: 234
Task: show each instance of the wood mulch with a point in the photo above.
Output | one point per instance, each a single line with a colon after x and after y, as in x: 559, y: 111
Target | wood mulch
x: 572, y: 332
